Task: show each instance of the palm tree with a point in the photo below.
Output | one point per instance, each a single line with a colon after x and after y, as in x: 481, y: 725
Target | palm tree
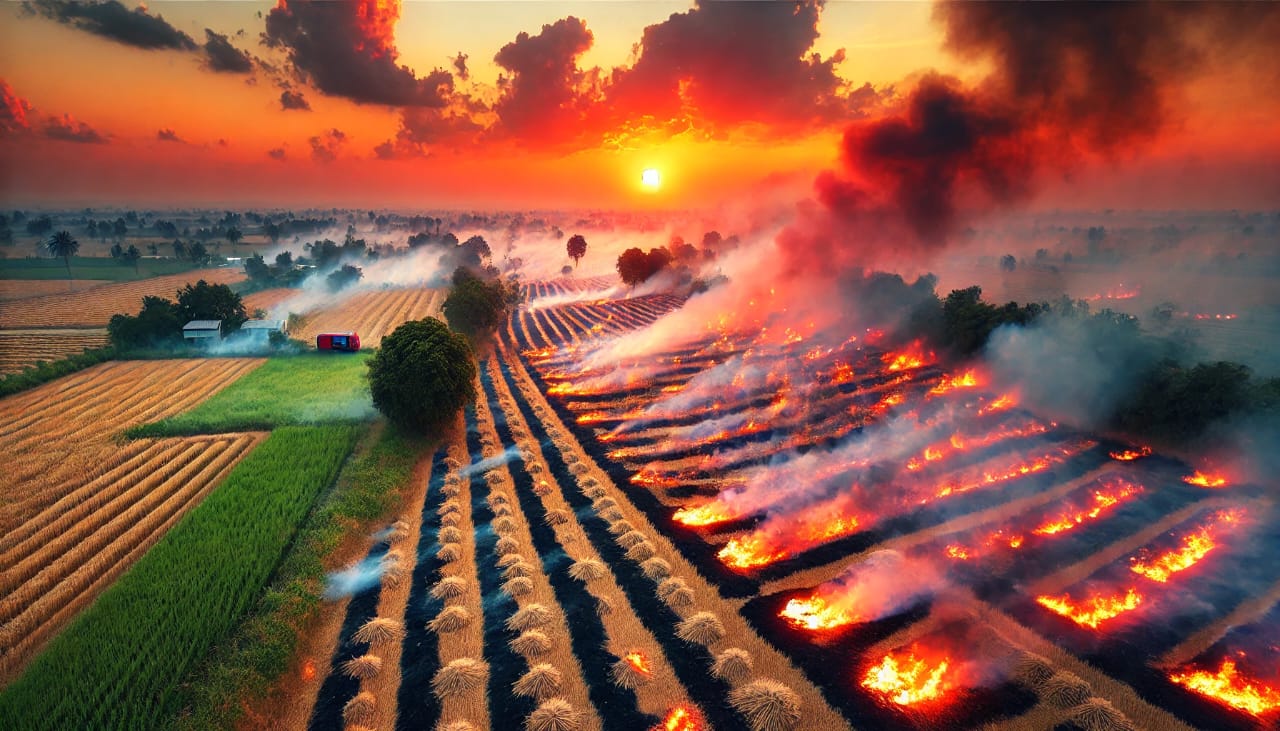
x: 63, y: 245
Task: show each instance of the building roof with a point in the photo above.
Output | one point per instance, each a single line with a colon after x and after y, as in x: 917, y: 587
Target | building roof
x: 203, y: 325
x: 263, y: 325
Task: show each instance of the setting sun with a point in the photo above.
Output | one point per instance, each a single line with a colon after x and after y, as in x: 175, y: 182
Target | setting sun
x: 651, y: 178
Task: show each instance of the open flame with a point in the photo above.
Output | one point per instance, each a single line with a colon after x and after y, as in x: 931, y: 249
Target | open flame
x: 1129, y: 455
x: 906, y: 679
x: 1230, y: 687
x: 913, y: 357
x: 1096, y: 609
x: 1002, y: 403
x: 991, y: 477
x: 638, y: 661
x: 1205, y: 480
x: 705, y: 514
x: 680, y: 719
x: 1195, y: 546
x: 813, y: 613
x: 751, y: 551
x: 1103, y: 500
x: 968, y: 379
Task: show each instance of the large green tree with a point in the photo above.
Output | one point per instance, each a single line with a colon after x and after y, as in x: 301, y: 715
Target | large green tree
x: 475, y: 306
x: 64, y: 245
x: 422, y: 374
x: 204, y: 301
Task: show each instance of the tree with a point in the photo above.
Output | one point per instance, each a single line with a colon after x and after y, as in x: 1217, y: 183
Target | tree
x: 257, y: 270
x: 342, y: 278
x: 422, y: 375
x: 198, y: 253
x: 633, y: 266
x: 577, y: 248
x: 475, y: 306
x: 284, y: 260
x: 204, y: 301
x: 63, y: 245
x: 131, y: 256
x: 158, y: 321
x: 179, y: 249
x: 233, y: 235
x: 1008, y: 263
x: 116, y: 251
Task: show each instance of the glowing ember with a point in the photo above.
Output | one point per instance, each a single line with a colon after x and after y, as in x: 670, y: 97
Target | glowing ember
x: 1195, y: 546
x: 968, y: 379
x: 592, y: 417
x: 997, y: 539
x: 308, y: 669
x: 680, y: 719
x: 1103, y: 500
x: 1228, y: 686
x: 815, y: 614
x: 1095, y: 610
x: 906, y: 679
x: 750, y: 552
x: 638, y: 661
x: 704, y: 514
x: 1129, y: 455
x: 1205, y: 480
x: 842, y: 373
x: 957, y: 552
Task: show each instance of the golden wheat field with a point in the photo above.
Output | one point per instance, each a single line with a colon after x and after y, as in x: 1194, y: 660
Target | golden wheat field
x: 20, y: 349
x: 94, y: 307
x: 266, y: 299
x: 15, y: 289
x: 371, y: 314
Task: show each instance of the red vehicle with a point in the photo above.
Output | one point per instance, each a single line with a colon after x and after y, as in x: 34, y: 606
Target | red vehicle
x: 349, y: 342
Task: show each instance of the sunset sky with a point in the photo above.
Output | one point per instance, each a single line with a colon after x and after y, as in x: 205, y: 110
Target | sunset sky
x: 561, y: 104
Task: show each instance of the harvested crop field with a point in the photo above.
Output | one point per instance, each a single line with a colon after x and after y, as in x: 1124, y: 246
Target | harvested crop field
x: 16, y: 289
x: 372, y: 314
x: 94, y: 307
x: 21, y: 349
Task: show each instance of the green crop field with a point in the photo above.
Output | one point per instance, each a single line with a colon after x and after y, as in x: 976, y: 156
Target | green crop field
x: 313, y: 388
x: 119, y: 664
x: 91, y: 267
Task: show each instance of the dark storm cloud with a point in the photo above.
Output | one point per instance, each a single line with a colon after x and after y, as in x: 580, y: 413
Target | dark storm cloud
x: 67, y: 129
x: 544, y: 95
x: 276, y: 153
x: 290, y: 99
x: 325, y: 146
x: 112, y: 20
x: 347, y: 50
x: 734, y: 62
x: 224, y: 57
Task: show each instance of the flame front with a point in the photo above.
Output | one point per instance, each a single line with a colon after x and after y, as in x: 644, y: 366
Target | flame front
x: 1095, y: 610
x: 906, y: 679
x: 968, y: 379
x: 1195, y: 546
x: 814, y: 613
x: 1205, y: 480
x: 705, y: 514
x: 913, y: 357
x: 1103, y: 500
x: 1228, y: 686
